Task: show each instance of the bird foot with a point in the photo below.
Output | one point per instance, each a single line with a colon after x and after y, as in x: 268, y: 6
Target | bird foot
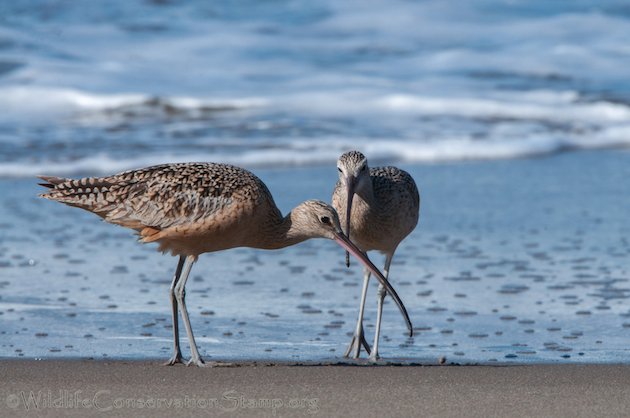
x: 355, y: 346
x: 177, y: 358
x: 374, y: 357
x: 197, y: 362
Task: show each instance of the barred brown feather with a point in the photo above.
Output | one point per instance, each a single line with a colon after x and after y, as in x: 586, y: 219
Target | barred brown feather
x: 164, y: 196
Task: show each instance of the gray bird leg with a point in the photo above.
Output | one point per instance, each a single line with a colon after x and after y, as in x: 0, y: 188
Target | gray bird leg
x: 358, y: 338
x: 177, y: 352
x: 180, y: 293
x: 379, y: 313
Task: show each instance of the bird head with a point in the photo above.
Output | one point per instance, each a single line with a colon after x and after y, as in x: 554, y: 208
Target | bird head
x: 354, y: 175
x: 316, y: 219
x: 353, y: 168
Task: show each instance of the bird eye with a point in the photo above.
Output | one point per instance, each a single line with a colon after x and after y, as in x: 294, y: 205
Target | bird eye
x: 325, y: 220
x: 338, y: 168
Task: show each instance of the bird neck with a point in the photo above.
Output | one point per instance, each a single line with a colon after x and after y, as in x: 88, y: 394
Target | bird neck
x: 366, y: 193
x: 284, y: 232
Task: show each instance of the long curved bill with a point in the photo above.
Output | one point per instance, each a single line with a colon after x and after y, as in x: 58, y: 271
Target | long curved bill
x: 343, y: 241
x: 350, y: 189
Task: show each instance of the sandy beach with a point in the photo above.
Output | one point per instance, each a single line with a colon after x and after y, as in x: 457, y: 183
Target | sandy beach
x: 145, y: 388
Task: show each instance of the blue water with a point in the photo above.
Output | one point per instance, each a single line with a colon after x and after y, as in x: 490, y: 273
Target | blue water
x: 107, y: 86
x: 514, y: 260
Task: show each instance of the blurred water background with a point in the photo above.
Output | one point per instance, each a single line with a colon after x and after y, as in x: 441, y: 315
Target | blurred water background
x: 109, y: 85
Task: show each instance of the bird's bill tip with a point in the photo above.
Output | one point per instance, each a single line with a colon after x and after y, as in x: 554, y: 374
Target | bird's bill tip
x: 344, y: 242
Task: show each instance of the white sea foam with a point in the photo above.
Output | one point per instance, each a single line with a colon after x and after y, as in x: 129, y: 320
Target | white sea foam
x: 326, y: 151
x: 563, y: 106
x: 552, y: 110
x: 39, y: 102
x: 414, y: 81
x: 54, y: 102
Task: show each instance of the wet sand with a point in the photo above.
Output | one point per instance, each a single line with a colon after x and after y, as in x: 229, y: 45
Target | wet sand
x: 144, y: 388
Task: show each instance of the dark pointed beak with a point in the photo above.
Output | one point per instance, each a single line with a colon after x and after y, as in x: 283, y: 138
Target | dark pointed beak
x: 342, y: 240
x: 350, y: 184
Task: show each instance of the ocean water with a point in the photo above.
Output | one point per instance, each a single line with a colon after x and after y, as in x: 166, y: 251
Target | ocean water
x: 116, y: 85
x: 512, y: 262
x: 512, y: 116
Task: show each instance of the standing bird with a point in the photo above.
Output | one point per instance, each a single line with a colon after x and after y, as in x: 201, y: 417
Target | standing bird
x: 194, y: 208
x: 378, y: 208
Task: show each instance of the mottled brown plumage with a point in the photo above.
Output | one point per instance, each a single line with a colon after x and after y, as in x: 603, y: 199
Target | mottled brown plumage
x: 393, y: 207
x: 193, y: 208
x: 378, y: 207
x: 177, y: 205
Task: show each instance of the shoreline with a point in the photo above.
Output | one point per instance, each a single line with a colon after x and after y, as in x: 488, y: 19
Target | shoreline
x: 363, y: 362
x: 82, y: 387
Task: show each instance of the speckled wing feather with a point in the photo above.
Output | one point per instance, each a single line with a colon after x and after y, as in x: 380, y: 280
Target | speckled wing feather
x: 392, y: 217
x: 160, y: 196
x: 384, y: 179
